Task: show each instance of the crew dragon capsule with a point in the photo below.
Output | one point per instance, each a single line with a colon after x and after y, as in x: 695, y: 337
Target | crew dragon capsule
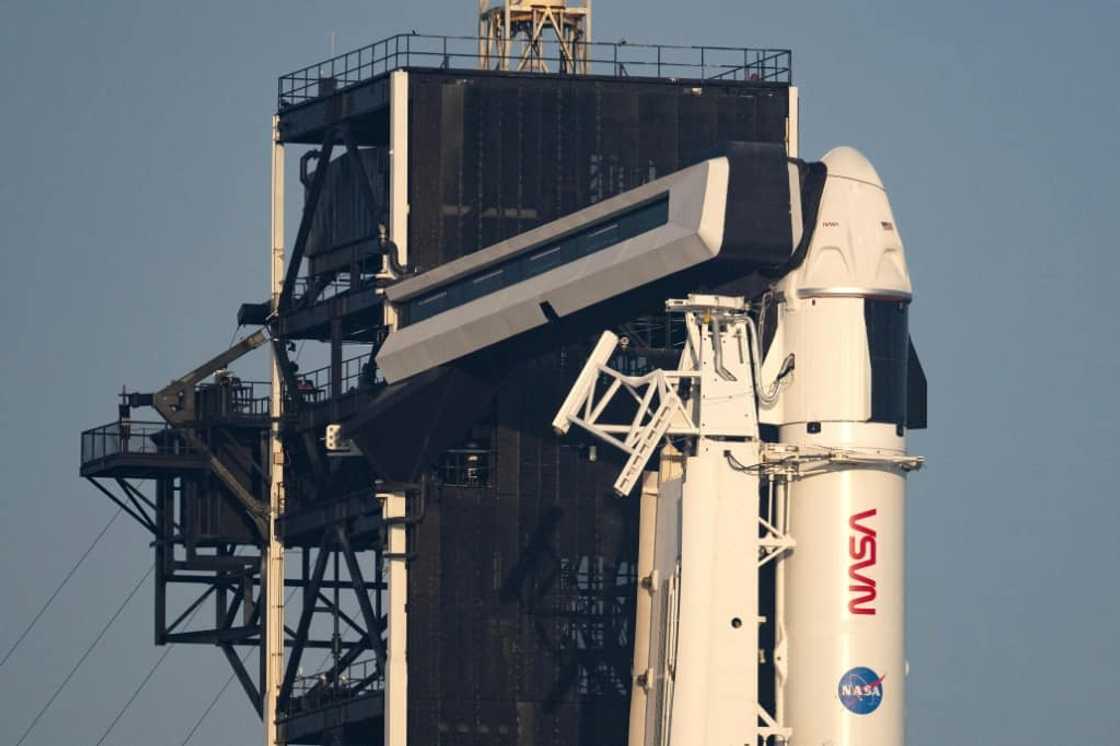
x: 857, y: 386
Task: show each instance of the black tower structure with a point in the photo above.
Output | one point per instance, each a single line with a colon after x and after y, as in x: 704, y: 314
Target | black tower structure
x: 521, y: 579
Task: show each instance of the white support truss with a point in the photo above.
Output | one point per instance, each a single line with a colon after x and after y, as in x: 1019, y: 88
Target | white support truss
x: 769, y: 728
x: 773, y: 543
x: 795, y: 460
x: 659, y: 411
x: 701, y: 654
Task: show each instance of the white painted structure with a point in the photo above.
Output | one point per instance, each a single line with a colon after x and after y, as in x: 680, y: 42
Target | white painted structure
x: 272, y: 644
x: 394, y: 511
x: 394, y: 505
x: 398, y: 162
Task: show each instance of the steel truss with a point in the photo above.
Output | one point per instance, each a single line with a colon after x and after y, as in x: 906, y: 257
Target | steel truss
x: 229, y: 582
x: 200, y: 486
x: 532, y: 25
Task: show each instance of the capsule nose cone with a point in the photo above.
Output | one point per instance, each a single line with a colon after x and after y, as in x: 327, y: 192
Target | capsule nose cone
x: 856, y: 250
x: 849, y: 163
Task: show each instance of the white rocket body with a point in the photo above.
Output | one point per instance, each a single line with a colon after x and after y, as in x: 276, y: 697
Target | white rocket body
x: 842, y: 313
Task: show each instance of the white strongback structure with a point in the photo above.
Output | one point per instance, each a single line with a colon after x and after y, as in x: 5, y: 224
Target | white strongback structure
x: 394, y: 512
x: 534, y: 35
x: 698, y: 681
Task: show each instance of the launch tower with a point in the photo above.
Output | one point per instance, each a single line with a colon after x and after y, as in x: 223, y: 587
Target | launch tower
x: 467, y: 531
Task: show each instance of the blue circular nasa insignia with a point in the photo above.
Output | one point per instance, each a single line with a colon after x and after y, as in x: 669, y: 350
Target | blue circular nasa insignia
x: 861, y: 690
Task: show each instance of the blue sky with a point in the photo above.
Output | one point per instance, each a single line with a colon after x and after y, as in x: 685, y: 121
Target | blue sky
x: 133, y: 220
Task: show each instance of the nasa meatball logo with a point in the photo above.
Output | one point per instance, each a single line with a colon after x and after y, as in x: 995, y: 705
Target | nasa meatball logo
x: 861, y: 690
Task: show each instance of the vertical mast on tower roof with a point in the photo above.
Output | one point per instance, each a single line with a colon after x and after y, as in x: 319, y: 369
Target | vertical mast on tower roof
x: 534, y: 36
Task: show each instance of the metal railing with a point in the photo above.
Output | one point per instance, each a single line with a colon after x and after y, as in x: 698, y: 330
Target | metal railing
x: 233, y: 398
x: 322, y: 690
x: 336, y: 286
x: 613, y: 59
x: 358, y: 373
x: 125, y: 437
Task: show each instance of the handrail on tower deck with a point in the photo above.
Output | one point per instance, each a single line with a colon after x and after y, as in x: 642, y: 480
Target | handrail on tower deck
x: 610, y: 59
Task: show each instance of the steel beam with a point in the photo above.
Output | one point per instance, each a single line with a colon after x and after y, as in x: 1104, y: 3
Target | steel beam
x: 373, y: 623
x: 310, y: 205
x: 141, y: 519
x: 243, y: 676
x: 300, y: 637
x: 215, y: 636
x: 295, y: 397
x: 191, y: 607
x: 332, y: 609
x: 164, y: 553
x: 175, y: 402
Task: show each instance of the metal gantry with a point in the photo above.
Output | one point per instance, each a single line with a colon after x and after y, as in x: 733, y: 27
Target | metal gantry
x: 251, y: 513
x: 235, y: 476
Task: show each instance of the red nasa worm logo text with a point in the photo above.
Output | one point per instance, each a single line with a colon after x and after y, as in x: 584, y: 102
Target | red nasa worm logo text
x: 861, y: 549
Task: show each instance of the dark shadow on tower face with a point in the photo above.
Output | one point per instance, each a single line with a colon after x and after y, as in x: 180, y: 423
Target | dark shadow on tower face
x: 537, y: 566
